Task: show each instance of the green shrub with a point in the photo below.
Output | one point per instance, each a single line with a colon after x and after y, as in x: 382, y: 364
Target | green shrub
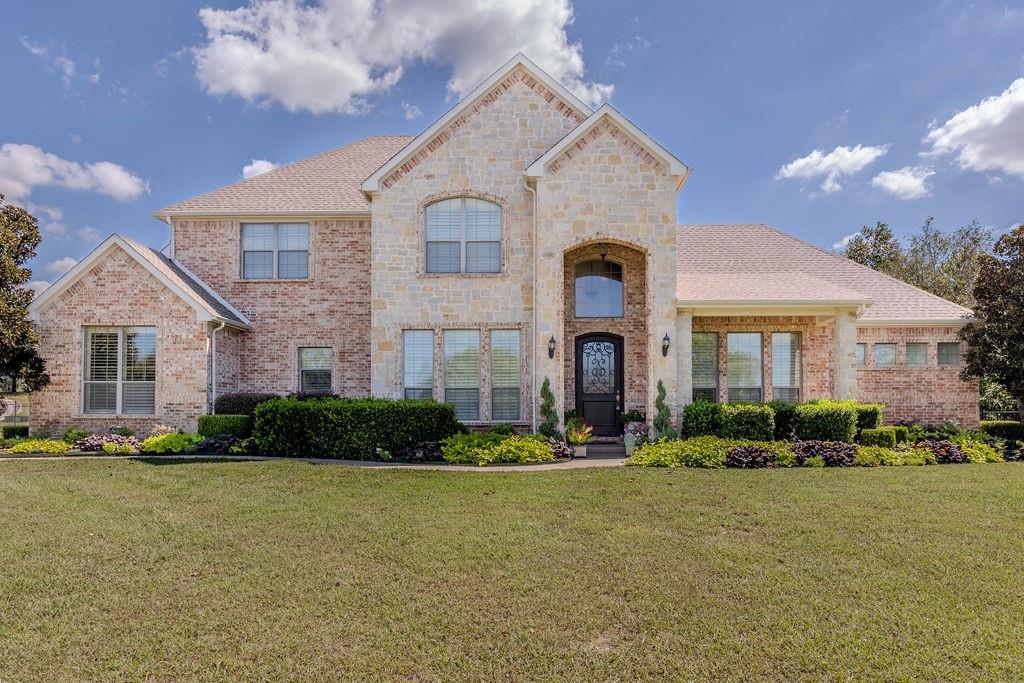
x: 748, y: 421
x: 521, y: 450
x: 882, y: 436
x: 663, y: 416
x: 484, y: 448
x: 703, y: 419
x: 826, y: 421
x: 902, y: 434
x: 1004, y: 429
x: 869, y: 415
x: 14, y: 432
x: 917, y: 455
x: 549, y: 416
x: 813, y: 461
x: 74, y: 434
x: 469, y: 448
x: 169, y: 443
x: 349, y: 428
x: 122, y: 448
x: 977, y: 451
x: 504, y: 429
x: 700, y: 451
x: 241, y: 403
x: 785, y: 420
x: 215, y: 425
x: 41, y: 446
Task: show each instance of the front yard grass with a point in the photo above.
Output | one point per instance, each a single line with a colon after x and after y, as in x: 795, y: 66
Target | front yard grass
x: 173, y: 570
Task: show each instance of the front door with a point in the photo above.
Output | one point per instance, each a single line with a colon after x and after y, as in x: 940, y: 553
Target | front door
x: 599, y: 382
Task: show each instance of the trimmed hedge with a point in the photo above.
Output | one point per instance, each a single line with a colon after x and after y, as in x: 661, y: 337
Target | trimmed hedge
x: 785, y: 420
x: 751, y: 422
x: 349, y: 428
x: 882, y: 436
x: 215, y: 425
x: 869, y: 415
x: 14, y: 432
x: 241, y: 403
x: 1004, y: 429
x: 902, y: 434
x: 827, y: 421
x: 703, y: 419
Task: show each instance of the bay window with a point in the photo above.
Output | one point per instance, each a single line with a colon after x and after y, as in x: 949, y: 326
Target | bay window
x: 119, y: 377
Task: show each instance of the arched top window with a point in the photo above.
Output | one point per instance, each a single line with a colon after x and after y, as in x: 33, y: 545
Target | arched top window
x: 598, y: 289
x: 463, y: 236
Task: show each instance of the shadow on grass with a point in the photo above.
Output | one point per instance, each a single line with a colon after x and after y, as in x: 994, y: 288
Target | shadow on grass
x: 178, y: 460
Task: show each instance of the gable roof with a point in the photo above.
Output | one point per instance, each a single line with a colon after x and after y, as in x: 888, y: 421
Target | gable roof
x: 207, y: 303
x: 757, y: 263
x: 372, y: 183
x: 325, y: 184
x: 607, y: 112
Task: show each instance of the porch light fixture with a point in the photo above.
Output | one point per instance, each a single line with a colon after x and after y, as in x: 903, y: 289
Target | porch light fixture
x: 551, y: 347
x: 665, y: 343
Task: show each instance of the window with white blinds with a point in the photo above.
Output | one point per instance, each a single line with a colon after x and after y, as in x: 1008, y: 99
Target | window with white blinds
x: 744, y: 366
x: 505, y: 375
x: 885, y: 355
x: 119, y: 377
x: 705, y: 366
x: 463, y: 236
x: 275, y: 250
x: 462, y: 372
x: 917, y: 354
x: 860, y: 355
x: 315, y: 364
x: 418, y: 363
x: 786, y: 366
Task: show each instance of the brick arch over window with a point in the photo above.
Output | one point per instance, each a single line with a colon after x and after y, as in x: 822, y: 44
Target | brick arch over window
x: 632, y: 326
x: 421, y: 230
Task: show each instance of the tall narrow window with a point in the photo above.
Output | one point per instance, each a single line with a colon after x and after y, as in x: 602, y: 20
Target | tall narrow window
x: 598, y: 286
x: 744, y: 363
x: 463, y: 236
x: 418, y: 363
x: 120, y: 371
x: 861, y: 355
x: 462, y: 372
x: 275, y: 250
x: 949, y: 354
x: 786, y: 370
x: 315, y: 370
x: 505, y: 374
x: 885, y: 355
x: 917, y: 354
x: 705, y: 366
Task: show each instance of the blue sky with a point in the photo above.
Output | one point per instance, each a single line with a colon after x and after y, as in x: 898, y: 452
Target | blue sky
x: 814, y: 117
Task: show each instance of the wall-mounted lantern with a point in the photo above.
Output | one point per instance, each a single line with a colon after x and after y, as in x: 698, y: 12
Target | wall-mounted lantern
x: 665, y: 343
x: 551, y: 347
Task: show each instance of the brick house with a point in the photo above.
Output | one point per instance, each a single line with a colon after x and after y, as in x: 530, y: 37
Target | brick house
x: 520, y: 237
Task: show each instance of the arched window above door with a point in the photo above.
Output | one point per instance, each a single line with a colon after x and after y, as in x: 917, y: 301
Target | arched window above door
x: 598, y: 289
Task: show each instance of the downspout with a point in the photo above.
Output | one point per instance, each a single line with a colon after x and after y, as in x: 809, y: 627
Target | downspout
x: 533, y: 345
x: 213, y: 366
x: 167, y: 220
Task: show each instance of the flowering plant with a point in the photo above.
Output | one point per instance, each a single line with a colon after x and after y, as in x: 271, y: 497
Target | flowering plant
x: 579, y: 433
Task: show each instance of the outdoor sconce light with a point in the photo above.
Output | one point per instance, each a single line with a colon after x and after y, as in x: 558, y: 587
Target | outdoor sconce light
x: 665, y: 343
x: 551, y: 347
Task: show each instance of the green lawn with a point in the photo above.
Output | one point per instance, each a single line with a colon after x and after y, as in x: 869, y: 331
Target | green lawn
x: 273, y: 570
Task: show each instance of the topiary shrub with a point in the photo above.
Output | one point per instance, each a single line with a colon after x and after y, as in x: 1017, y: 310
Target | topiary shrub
x: 826, y: 421
x: 869, y: 415
x: 752, y: 422
x: 170, y: 443
x: 882, y: 436
x: 1004, y: 429
x: 663, y: 416
x: 14, y: 432
x: 750, y: 457
x: 549, y: 416
x: 243, y: 403
x: 215, y: 425
x: 832, y: 453
x: 703, y: 419
x: 785, y: 420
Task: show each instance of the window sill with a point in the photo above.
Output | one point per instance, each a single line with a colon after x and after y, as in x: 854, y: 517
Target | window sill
x: 273, y: 280
x: 463, y: 275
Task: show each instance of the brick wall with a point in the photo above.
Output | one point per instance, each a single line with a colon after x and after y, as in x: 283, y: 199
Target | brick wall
x: 930, y: 394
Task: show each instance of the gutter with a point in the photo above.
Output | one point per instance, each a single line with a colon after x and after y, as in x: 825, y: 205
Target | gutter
x: 167, y: 215
x: 533, y: 331
x: 213, y: 368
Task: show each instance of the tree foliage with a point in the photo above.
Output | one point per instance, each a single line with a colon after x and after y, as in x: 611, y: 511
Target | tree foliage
x: 663, y: 415
x: 549, y: 425
x: 996, y: 341
x: 19, y: 238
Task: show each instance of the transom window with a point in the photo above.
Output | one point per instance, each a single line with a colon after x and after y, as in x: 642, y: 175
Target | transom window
x: 418, y: 363
x: 598, y: 289
x: 786, y: 368
x: 119, y: 377
x: 743, y: 368
x: 705, y: 366
x: 463, y: 236
x: 275, y: 251
x: 315, y: 370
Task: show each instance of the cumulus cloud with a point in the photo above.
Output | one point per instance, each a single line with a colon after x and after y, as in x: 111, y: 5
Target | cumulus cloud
x: 37, y: 286
x: 257, y: 166
x: 411, y: 111
x: 89, y: 234
x: 841, y: 161
x: 909, y: 182
x: 25, y: 167
x: 841, y: 243
x: 61, y: 265
x: 988, y: 136
x: 333, y: 55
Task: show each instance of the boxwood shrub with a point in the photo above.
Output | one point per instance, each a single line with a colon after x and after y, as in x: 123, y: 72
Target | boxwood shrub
x: 882, y: 436
x: 703, y: 419
x: 1004, y: 429
x: 749, y: 421
x: 827, y: 421
x: 215, y: 425
x: 241, y: 403
x: 349, y: 428
x: 785, y: 420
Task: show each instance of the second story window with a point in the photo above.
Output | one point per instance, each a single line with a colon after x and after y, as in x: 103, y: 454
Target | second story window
x: 463, y: 236
x: 275, y: 251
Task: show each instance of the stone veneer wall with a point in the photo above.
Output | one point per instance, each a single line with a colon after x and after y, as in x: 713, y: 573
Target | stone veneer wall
x: 632, y: 326
x: 331, y: 308
x: 930, y: 394
x: 120, y: 292
x: 818, y: 350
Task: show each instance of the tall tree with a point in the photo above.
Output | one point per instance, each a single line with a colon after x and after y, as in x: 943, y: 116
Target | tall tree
x: 876, y: 248
x: 996, y: 341
x: 19, y: 238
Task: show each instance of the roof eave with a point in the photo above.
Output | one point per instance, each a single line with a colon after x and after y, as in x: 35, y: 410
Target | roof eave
x: 917, y: 322
x: 771, y: 303
x: 165, y: 214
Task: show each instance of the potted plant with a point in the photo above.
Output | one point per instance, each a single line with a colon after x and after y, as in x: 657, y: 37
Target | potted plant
x: 635, y: 434
x: 578, y: 434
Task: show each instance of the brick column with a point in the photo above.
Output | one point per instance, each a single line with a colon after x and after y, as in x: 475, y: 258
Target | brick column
x: 845, y: 386
x: 684, y: 360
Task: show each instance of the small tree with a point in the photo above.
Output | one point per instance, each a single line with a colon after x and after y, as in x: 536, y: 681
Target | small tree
x: 663, y: 417
x: 549, y: 426
x: 19, y: 238
x: 996, y: 342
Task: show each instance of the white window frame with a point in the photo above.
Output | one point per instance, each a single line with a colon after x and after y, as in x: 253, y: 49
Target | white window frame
x: 405, y: 362
x: 507, y: 387
x: 760, y: 351
x: 906, y: 351
x: 122, y: 347
x: 693, y: 364
x: 874, y: 355
x: 959, y: 355
x: 275, y: 251
x: 303, y: 370
x: 799, y: 367
x: 463, y: 242
x: 479, y: 372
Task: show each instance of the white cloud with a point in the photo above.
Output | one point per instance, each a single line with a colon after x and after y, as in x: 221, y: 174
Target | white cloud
x: 59, y: 63
x: 841, y: 244
x: 257, y: 166
x: 89, y: 234
x: 25, y: 167
x: 37, y: 286
x: 909, y: 182
x: 841, y: 161
x: 76, y: 139
x: 332, y: 55
x: 62, y: 265
x: 988, y: 136
x: 55, y: 229
x: 94, y: 77
x: 411, y: 111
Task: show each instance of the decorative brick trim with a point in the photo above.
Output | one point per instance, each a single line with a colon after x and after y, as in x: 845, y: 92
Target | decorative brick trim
x: 606, y: 127
x: 421, y: 231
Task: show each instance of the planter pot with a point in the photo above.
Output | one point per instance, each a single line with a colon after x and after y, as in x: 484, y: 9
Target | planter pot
x: 580, y: 451
x: 630, y: 442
